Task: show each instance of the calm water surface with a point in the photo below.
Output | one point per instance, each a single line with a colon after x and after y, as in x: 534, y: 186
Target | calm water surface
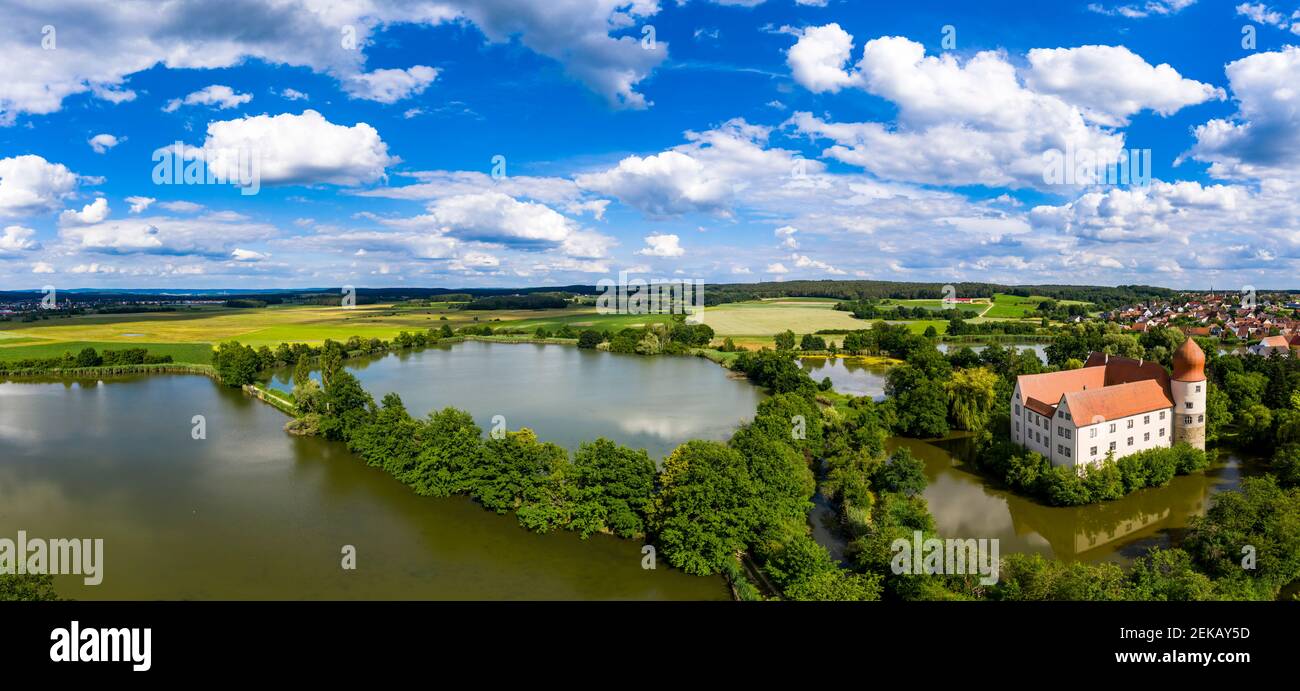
x: 251, y: 512
x: 567, y: 395
x: 965, y: 506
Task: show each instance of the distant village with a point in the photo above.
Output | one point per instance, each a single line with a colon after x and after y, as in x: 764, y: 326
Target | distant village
x: 1264, y: 324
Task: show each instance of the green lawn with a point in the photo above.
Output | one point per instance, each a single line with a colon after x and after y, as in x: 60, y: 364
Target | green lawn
x: 199, y: 353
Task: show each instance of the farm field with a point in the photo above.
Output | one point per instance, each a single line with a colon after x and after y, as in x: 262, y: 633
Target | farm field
x: 189, y: 336
x: 772, y: 317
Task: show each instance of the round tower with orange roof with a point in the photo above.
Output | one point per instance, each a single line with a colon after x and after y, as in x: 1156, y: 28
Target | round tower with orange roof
x: 1188, y: 387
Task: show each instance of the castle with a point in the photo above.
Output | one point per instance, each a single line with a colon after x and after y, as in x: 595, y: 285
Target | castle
x: 1112, y: 404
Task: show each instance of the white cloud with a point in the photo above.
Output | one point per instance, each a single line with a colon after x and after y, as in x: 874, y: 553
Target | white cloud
x: 243, y: 255
x: 705, y: 175
x: 91, y: 213
x: 17, y: 239
x: 182, y: 207
x: 959, y: 122
x: 786, y: 233
x: 218, y: 95
x: 100, y: 45
x: 390, y: 86
x: 214, y: 236
x: 42, y: 268
x: 290, y: 94
x: 1263, y: 136
x: 805, y: 262
x: 817, y: 59
x: 1112, y: 83
x: 1259, y: 12
x: 101, y: 143
x: 1150, y: 8
x: 499, y: 219
x: 32, y: 185
x: 297, y: 149
x: 777, y: 268
x: 139, y: 204
x: 662, y: 245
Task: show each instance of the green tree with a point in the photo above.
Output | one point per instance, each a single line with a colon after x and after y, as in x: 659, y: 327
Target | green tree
x: 785, y: 340
x: 971, y: 397
x: 704, y: 514
x: 614, y: 485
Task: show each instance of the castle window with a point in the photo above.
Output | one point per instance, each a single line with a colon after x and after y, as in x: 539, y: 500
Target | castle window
x: 1189, y: 404
x: 1112, y: 428
x: 1130, y: 424
x: 1092, y: 451
x: 1130, y: 441
x: 1017, y: 427
x: 1200, y: 418
x: 1146, y: 419
x: 1198, y: 388
x: 1187, y: 419
x: 1067, y: 451
x: 1069, y: 434
x: 1162, y: 431
x: 1112, y: 446
x: 1146, y: 437
x: 1092, y: 433
x: 1017, y: 409
x: 1162, y: 415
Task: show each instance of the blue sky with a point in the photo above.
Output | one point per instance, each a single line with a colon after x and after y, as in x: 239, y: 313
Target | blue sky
x: 533, y: 142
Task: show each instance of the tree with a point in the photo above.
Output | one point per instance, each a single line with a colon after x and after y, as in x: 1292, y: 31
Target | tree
x: 902, y: 473
x: 347, y: 407
x: 921, y: 404
x: 301, y: 373
x: 88, y: 358
x: 971, y: 397
x: 785, y: 340
x: 452, y: 446
x: 704, y: 514
x: 614, y: 484
x: 236, y: 364
x: 589, y: 339
x: 27, y: 588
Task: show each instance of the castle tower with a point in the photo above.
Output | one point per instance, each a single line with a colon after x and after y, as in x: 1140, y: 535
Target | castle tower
x: 1188, y: 389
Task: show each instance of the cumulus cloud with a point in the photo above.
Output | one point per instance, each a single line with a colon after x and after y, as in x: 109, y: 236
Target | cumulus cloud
x: 101, y: 143
x: 42, y: 268
x: 139, y: 204
x: 1263, y: 136
x: 817, y: 60
x: 93, y: 212
x: 101, y: 45
x: 296, y: 149
x: 32, y: 185
x: 213, y: 236
x: 1112, y: 83
x: 17, y: 239
x: 662, y: 245
x: 390, y: 86
x: 959, y: 122
x: 704, y: 175
x: 1150, y: 8
x: 218, y: 95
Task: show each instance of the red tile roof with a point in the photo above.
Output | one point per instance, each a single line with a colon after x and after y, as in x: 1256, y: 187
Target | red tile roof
x: 1115, y: 402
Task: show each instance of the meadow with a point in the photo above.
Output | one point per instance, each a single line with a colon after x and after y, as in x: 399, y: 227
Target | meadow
x: 189, y: 335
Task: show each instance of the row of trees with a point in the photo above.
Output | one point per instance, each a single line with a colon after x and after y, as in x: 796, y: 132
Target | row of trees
x: 87, y: 357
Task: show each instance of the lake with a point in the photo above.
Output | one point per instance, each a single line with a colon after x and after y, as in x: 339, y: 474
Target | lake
x: 252, y: 512
x: 964, y: 505
x: 567, y: 395
x: 850, y: 376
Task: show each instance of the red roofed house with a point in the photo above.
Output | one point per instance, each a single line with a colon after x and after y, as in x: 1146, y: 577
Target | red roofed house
x: 1112, y: 404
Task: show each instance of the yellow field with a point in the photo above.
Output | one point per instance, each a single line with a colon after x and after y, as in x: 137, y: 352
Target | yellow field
x: 773, y: 317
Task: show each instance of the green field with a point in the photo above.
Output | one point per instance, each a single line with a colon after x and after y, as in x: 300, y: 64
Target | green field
x: 188, y: 336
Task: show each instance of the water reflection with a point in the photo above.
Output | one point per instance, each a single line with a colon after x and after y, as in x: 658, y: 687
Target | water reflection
x: 965, y: 506
x: 567, y: 395
x: 848, y: 375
